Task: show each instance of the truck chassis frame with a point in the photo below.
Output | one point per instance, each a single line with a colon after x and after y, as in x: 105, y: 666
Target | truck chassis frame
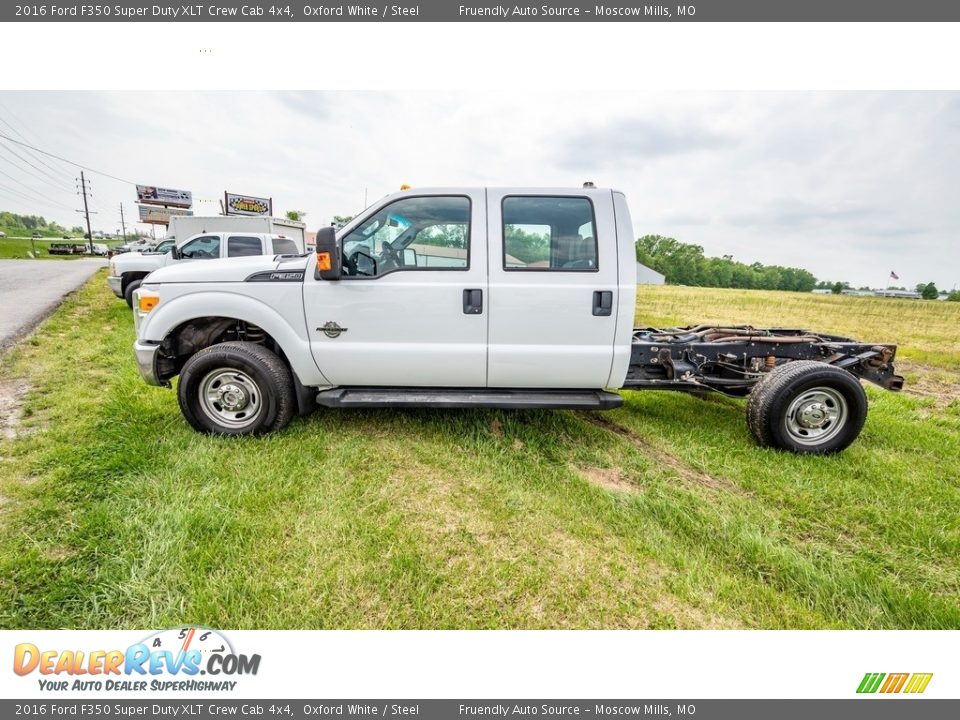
x: 731, y: 359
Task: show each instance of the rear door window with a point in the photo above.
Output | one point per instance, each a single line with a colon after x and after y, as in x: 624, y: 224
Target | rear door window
x: 549, y: 234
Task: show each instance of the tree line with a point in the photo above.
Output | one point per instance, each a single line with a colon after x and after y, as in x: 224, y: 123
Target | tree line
x: 685, y: 264
x: 14, y: 221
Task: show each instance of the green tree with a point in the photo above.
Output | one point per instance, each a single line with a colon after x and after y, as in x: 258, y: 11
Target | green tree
x: 685, y: 264
x: 929, y: 292
x: 295, y: 215
x: 528, y: 247
x: 954, y: 296
x: 340, y: 220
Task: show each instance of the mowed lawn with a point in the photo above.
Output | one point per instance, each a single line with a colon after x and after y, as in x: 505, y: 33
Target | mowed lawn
x: 662, y: 514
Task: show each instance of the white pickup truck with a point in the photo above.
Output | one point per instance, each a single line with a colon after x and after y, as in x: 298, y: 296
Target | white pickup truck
x: 128, y: 270
x: 463, y: 297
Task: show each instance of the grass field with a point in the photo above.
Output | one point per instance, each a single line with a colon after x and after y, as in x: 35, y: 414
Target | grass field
x: 925, y: 330
x: 23, y: 247
x: 661, y: 514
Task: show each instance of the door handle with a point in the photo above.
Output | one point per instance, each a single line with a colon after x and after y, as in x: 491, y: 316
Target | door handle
x: 472, y: 302
x: 602, y: 302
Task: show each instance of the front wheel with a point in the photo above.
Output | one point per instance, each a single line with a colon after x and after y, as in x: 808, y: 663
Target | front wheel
x: 128, y: 291
x: 807, y: 407
x: 236, y: 388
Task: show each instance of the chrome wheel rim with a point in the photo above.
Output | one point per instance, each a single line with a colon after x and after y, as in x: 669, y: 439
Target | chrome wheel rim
x: 816, y: 416
x: 230, y: 397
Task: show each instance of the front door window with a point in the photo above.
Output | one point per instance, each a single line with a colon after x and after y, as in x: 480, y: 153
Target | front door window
x: 417, y: 233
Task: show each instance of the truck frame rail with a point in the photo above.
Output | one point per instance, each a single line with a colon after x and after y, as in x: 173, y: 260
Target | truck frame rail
x: 731, y: 359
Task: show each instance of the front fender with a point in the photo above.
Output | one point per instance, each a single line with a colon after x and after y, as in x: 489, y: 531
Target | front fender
x: 287, y: 329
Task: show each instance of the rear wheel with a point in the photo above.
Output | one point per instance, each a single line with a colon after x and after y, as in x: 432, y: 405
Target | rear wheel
x: 236, y: 388
x: 808, y: 407
x: 128, y: 291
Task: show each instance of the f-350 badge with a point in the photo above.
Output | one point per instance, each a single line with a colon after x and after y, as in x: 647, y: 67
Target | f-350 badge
x: 331, y: 329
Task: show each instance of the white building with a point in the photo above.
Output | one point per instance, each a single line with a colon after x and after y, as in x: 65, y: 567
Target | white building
x: 648, y: 276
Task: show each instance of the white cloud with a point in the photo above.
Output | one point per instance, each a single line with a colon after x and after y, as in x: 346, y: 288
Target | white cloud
x: 849, y: 185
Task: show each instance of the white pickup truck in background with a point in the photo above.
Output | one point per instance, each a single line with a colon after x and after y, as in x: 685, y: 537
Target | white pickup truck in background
x: 128, y: 270
x: 182, y: 227
x: 475, y: 297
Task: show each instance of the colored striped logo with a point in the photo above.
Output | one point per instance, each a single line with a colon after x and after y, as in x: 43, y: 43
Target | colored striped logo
x: 894, y: 682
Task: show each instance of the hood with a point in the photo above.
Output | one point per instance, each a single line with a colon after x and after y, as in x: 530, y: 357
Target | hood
x: 223, y: 270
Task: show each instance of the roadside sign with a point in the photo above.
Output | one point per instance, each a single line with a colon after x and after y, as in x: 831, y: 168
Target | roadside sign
x: 153, y: 195
x: 247, y: 204
x: 160, y: 215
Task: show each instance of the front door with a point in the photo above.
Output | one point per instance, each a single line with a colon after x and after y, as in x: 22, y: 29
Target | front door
x: 411, y: 308
x: 553, y: 288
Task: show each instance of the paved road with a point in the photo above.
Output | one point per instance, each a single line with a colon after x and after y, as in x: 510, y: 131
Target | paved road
x: 31, y: 289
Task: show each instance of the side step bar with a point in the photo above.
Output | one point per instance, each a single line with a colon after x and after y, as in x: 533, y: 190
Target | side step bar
x: 469, y: 398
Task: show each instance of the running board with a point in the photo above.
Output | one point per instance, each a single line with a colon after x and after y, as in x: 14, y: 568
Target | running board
x: 469, y: 398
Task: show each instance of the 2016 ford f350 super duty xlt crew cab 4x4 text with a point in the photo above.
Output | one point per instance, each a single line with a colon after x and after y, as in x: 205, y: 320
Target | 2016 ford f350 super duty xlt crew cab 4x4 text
x: 462, y: 297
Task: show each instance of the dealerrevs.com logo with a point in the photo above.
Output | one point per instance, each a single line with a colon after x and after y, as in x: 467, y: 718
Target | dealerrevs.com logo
x: 181, y: 659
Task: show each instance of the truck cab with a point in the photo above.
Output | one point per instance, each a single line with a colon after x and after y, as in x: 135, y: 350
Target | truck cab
x: 479, y: 288
x: 128, y: 270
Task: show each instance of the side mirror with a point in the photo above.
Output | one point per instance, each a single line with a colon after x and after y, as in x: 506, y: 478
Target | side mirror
x: 329, y: 261
x: 175, y: 252
x: 409, y: 258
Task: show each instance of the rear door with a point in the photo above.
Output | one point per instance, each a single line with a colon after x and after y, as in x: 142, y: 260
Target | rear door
x: 553, y: 288
x: 411, y: 309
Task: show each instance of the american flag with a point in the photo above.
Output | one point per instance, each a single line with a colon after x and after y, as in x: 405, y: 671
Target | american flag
x: 894, y: 276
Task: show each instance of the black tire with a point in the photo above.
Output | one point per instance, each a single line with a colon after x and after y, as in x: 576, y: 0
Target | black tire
x: 254, y: 387
x: 128, y: 291
x: 807, y: 407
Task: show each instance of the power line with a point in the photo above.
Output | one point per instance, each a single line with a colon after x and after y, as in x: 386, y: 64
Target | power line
x: 21, y: 188
x: 41, y: 178
x: 26, y: 139
x: 41, y: 200
x: 71, y: 162
x: 47, y: 174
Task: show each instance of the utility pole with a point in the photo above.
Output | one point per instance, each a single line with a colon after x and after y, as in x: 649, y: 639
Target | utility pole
x: 122, y: 223
x: 86, y: 210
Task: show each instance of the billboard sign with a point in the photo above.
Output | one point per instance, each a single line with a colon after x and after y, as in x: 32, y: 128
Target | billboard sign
x: 159, y: 215
x: 247, y: 204
x: 153, y: 195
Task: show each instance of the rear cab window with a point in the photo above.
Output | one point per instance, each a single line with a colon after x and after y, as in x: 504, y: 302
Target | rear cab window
x: 285, y: 246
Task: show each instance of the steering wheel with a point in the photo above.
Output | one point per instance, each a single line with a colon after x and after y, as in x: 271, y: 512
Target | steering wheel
x: 389, y: 255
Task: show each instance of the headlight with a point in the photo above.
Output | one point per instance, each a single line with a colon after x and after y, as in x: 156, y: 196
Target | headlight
x: 113, y: 269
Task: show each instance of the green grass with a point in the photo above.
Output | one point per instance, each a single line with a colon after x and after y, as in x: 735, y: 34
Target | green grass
x: 113, y: 513
x: 23, y: 247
